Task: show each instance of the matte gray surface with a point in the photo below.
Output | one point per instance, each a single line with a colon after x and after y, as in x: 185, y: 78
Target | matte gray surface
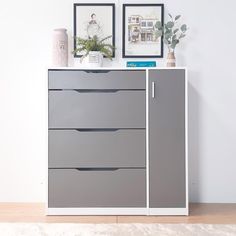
x: 72, y: 148
x: 118, y: 188
x: 167, y: 139
x: 121, y: 109
x: 78, y: 79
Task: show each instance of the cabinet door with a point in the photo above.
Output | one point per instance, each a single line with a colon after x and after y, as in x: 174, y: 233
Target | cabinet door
x: 167, y: 138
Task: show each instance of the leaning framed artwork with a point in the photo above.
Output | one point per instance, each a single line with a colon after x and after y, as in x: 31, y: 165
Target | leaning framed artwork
x: 140, y: 37
x: 92, y: 19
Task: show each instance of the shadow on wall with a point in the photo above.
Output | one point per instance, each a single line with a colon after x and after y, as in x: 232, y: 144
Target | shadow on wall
x: 194, y: 138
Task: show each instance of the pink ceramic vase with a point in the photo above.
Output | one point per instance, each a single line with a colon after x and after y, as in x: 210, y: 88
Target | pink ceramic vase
x: 60, y: 48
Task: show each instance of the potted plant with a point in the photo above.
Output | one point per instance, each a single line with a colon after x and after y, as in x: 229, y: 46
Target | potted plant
x: 172, y: 34
x: 94, y: 49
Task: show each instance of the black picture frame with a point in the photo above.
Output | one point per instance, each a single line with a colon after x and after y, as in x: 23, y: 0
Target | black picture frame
x: 124, y: 55
x: 90, y: 5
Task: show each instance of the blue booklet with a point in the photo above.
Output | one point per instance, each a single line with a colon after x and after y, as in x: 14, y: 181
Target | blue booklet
x: 141, y: 64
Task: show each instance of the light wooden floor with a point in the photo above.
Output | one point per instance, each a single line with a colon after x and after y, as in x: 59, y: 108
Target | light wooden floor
x: 199, y: 213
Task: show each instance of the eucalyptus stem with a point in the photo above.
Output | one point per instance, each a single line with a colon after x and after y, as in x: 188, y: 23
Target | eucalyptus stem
x: 171, y: 32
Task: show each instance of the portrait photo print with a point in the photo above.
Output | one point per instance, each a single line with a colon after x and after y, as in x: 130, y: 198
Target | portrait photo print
x: 140, y: 32
x: 94, y: 19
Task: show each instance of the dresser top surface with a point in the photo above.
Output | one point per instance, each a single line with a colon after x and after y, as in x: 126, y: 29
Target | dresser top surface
x: 118, y: 68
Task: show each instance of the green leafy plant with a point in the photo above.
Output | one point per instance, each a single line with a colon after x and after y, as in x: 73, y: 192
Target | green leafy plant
x: 94, y: 44
x: 171, y: 31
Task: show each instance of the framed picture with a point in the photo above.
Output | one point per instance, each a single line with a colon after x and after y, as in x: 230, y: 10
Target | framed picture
x: 139, y: 30
x: 92, y: 19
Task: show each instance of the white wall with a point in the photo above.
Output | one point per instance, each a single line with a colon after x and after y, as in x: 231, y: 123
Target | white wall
x: 25, y: 52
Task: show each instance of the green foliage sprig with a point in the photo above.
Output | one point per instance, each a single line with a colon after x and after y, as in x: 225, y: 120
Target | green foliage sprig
x: 94, y: 44
x: 171, y: 32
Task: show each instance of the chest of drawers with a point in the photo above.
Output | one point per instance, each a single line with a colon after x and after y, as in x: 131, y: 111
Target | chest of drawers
x: 99, y: 143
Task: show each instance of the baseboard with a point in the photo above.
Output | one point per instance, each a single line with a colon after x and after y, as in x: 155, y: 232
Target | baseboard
x: 116, y: 211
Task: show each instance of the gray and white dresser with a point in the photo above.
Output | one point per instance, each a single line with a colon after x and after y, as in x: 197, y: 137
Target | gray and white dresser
x: 117, y: 142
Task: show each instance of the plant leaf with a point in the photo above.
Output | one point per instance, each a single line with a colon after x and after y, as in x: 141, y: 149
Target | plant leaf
x: 106, y: 53
x: 166, y: 41
x: 170, y: 15
x: 182, y: 36
x: 102, y: 40
x: 168, y: 31
x: 158, y: 25
x: 175, y: 31
x: 170, y: 24
x: 177, y: 17
x: 168, y: 36
x: 174, y: 43
x: 158, y: 34
x: 183, y: 28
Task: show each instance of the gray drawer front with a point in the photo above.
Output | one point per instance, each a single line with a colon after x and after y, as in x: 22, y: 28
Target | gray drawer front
x: 121, y: 109
x: 79, y: 79
x: 73, y: 149
x: 101, y: 188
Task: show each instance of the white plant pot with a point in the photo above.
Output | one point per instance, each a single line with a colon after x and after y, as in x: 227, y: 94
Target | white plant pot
x: 93, y: 60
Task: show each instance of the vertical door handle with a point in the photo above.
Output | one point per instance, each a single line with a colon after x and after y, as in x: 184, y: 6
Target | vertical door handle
x: 153, y: 89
